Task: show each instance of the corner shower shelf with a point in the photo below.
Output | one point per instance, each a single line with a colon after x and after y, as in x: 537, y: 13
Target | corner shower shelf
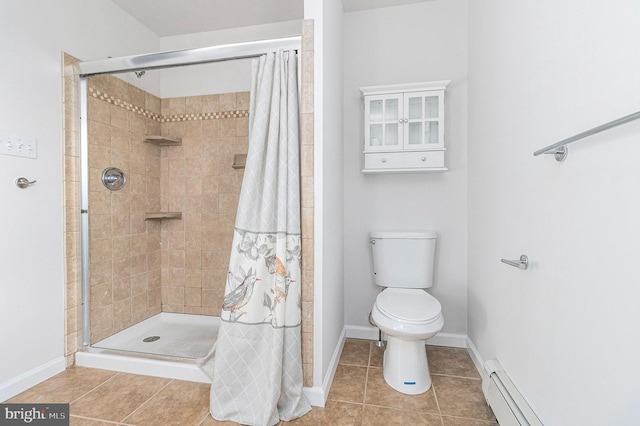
x: 239, y: 161
x: 162, y: 215
x: 162, y: 140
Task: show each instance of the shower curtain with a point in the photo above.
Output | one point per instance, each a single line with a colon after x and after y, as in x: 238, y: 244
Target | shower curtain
x: 256, y: 364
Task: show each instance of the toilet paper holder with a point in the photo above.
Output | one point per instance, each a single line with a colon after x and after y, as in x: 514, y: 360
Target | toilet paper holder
x: 523, y: 263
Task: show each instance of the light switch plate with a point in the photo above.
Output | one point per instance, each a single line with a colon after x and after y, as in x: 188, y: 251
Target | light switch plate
x: 18, y: 145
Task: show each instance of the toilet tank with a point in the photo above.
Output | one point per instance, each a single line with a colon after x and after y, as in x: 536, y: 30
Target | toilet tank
x: 403, y: 259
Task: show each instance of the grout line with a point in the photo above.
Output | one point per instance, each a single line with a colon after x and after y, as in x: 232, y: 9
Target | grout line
x: 435, y: 396
x: 353, y: 365
x: 366, y: 379
x: 402, y: 409
x: 457, y: 377
x: 116, y: 374
x: 344, y: 401
x: 205, y: 417
x: 94, y: 419
x: 487, y: 422
x: 148, y: 399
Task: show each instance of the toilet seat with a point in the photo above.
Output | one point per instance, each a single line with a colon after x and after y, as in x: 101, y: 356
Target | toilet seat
x: 410, y: 306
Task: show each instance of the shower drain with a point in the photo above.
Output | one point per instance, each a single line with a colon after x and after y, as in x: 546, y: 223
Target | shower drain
x: 151, y: 339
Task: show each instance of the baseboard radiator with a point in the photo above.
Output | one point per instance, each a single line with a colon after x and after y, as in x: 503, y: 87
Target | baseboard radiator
x: 508, y: 405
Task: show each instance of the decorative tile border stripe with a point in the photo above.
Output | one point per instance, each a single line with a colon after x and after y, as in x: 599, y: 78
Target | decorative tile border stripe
x: 206, y: 116
x: 168, y: 118
x: 126, y: 105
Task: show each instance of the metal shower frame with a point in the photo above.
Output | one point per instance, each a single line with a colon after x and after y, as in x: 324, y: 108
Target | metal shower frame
x: 159, y: 60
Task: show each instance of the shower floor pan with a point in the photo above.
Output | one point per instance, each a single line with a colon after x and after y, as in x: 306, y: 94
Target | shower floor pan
x: 165, y: 345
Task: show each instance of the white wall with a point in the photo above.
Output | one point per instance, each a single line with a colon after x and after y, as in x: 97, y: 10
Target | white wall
x: 405, y: 44
x: 32, y: 36
x: 220, y: 77
x: 328, y: 200
x: 332, y: 157
x: 566, y: 330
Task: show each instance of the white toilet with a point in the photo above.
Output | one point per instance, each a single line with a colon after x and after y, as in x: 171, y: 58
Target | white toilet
x: 404, y: 311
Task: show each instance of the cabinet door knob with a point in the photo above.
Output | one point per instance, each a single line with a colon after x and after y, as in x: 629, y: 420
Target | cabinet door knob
x: 384, y: 160
x: 424, y: 158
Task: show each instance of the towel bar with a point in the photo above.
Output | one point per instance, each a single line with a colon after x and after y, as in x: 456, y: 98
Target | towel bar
x: 560, y: 150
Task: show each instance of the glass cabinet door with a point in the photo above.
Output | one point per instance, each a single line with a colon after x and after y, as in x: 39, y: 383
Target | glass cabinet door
x: 423, y: 112
x: 404, y: 127
x: 384, y: 131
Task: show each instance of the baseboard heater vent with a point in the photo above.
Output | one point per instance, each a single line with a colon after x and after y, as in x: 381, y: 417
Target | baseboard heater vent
x: 508, y: 405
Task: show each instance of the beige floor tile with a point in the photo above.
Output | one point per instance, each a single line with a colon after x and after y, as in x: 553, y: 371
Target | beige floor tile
x: 335, y: 413
x: 210, y: 421
x: 65, y: 387
x: 458, y: 421
x: 359, y: 395
x: 451, y: 362
x: 180, y: 403
x: 377, y: 355
x: 348, y: 384
x: 381, y: 416
x: 381, y: 394
x: 118, y: 398
x: 461, y: 397
x: 81, y: 421
x: 355, y: 352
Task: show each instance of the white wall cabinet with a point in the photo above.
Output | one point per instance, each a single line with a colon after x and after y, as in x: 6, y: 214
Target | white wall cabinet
x: 404, y: 127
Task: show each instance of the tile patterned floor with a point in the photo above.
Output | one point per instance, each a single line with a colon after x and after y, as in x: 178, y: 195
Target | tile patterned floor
x: 359, y: 396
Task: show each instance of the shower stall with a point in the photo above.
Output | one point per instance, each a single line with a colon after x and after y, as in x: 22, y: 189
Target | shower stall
x: 159, y: 182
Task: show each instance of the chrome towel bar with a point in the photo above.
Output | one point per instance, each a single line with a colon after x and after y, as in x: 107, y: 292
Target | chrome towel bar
x: 560, y: 150
x: 523, y: 263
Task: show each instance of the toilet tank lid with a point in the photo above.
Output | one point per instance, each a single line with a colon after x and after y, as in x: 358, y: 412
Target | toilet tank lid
x: 405, y: 235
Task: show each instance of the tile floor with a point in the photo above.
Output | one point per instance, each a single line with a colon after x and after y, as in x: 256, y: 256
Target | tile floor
x: 358, y: 396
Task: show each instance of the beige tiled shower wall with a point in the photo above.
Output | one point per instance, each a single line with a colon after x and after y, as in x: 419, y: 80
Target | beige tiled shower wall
x: 141, y: 267
x: 138, y: 267
x: 198, y: 180
x: 73, y: 314
x: 125, y: 255
x: 306, y: 194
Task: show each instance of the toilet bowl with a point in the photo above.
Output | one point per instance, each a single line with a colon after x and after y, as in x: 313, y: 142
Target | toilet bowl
x: 403, y: 264
x: 408, y: 317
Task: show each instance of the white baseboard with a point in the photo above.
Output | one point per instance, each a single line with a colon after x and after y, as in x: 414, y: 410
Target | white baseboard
x: 476, y: 358
x: 359, y: 332
x: 453, y: 340
x: 26, y: 380
x: 317, y: 395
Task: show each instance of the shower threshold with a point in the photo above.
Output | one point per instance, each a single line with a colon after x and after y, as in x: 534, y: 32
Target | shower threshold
x: 173, y: 343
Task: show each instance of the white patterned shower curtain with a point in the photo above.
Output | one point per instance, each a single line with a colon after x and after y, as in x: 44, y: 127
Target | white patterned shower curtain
x: 256, y: 364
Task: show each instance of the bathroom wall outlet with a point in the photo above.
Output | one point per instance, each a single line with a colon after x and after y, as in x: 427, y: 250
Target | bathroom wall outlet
x: 17, y: 145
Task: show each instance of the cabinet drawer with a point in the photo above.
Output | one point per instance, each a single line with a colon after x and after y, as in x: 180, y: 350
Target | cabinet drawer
x: 423, y: 159
x: 385, y: 160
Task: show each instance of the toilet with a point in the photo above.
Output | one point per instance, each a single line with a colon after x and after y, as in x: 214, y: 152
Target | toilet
x: 404, y: 311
